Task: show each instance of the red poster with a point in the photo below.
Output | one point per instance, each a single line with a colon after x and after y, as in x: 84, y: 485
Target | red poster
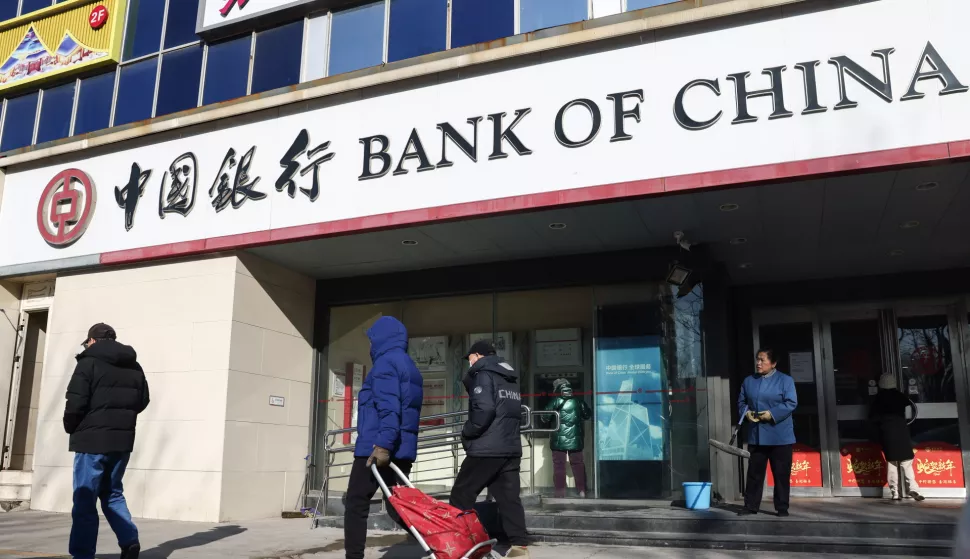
x: 863, y: 465
x: 938, y: 465
x: 806, y: 467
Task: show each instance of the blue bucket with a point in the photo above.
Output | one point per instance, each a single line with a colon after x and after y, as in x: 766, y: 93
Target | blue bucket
x: 697, y: 494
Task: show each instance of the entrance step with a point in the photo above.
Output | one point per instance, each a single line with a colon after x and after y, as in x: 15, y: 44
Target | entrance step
x: 15, y: 486
x: 835, y: 526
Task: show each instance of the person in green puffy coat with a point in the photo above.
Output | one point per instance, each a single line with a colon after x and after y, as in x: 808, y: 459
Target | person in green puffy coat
x: 568, y: 441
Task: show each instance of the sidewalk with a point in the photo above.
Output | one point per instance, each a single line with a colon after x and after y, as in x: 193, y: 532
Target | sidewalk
x: 32, y: 535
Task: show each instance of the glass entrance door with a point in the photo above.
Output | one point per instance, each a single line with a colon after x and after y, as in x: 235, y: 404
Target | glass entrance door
x: 793, y: 334
x: 913, y: 345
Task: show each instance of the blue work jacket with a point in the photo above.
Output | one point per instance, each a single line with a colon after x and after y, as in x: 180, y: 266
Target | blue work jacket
x: 775, y: 393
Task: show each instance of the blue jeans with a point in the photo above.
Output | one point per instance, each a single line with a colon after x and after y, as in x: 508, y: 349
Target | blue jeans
x: 98, y: 476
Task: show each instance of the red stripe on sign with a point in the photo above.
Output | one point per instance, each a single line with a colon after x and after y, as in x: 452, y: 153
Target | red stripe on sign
x: 960, y: 149
x: 575, y: 196
x: 825, y: 165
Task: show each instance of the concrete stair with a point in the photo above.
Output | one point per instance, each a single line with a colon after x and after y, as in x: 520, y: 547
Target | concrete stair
x: 834, y: 526
x: 14, y: 487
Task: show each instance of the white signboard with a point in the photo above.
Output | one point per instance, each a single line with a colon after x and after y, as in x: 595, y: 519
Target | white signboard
x: 686, y: 105
x: 802, y: 364
x: 429, y: 354
x: 217, y: 13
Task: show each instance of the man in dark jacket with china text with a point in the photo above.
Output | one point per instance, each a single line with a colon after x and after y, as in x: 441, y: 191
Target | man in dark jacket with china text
x: 493, y: 447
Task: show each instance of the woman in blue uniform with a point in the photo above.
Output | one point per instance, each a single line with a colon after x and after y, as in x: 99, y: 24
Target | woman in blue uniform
x: 767, y: 401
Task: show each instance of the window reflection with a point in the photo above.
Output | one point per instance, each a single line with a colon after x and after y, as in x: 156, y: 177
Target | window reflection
x: 926, y: 359
x: 55, y: 113
x: 29, y: 6
x: 178, y: 86
x: 94, y: 103
x: 136, y: 92
x: 144, y: 33
x: 18, y: 126
x: 540, y: 14
x: 180, y: 28
x: 417, y: 27
x: 640, y: 4
x: 479, y: 21
x: 277, y: 60
x: 357, y: 38
x: 227, y: 70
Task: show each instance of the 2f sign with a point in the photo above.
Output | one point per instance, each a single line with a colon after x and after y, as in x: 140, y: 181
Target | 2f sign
x: 98, y: 17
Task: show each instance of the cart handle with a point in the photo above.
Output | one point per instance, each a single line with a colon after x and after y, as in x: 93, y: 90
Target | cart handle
x: 397, y: 471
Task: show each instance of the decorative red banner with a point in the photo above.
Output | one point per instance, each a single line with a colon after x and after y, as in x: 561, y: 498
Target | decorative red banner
x: 806, y: 467
x: 938, y: 465
x: 863, y: 465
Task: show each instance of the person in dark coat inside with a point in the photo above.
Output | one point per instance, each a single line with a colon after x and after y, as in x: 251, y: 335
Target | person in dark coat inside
x: 568, y: 442
x: 104, y: 397
x: 388, y: 412
x: 493, y: 447
x: 888, y: 412
x: 768, y: 400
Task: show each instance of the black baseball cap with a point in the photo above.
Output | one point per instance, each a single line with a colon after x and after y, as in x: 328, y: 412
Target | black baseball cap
x: 481, y: 347
x: 101, y: 331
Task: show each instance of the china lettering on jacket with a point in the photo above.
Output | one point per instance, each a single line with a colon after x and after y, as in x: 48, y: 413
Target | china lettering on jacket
x: 509, y: 395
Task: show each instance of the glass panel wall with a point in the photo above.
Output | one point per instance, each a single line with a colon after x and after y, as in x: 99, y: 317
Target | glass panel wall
x: 548, y: 336
x: 18, y: 126
x: 357, y: 38
x: 480, y: 21
x: 640, y: 4
x: 55, y: 113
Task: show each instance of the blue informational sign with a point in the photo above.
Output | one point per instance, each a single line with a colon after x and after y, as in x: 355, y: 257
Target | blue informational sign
x: 629, y: 399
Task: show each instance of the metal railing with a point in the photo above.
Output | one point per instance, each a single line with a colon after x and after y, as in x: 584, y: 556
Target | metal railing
x: 430, y: 439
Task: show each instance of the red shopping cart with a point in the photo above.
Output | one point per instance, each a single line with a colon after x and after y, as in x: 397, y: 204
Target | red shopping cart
x: 443, y: 531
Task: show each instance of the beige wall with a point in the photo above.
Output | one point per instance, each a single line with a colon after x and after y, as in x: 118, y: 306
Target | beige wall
x: 271, y: 355
x: 9, y: 316
x: 25, y: 430
x: 215, y: 336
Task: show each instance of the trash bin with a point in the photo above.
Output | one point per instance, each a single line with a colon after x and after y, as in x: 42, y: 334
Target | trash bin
x: 697, y: 494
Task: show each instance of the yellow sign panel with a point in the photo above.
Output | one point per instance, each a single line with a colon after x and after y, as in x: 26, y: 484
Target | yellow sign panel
x: 63, y: 39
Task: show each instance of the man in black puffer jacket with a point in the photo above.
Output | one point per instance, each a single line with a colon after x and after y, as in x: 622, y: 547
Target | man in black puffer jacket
x: 106, y: 393
x: 492, y: 444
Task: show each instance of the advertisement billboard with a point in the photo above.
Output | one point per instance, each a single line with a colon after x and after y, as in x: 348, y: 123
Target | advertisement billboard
x: 64, y: 39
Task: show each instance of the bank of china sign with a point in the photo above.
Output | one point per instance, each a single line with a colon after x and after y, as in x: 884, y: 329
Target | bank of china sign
x: 660, y: 110
x: 66, y: 38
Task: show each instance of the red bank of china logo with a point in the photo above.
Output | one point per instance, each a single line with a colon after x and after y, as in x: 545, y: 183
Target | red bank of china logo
x: 66, y: 207
x: 229, y: 5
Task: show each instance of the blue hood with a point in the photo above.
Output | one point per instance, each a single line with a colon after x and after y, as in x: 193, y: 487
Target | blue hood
x: 386, y: 334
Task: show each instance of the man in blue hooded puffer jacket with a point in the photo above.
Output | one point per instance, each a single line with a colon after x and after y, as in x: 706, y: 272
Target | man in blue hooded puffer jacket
x: 388, y: 410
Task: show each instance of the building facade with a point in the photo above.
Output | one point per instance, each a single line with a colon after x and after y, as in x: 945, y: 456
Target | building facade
x: 632, y: 196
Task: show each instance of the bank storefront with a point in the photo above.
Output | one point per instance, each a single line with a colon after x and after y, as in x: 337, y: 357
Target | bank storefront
x: 632, y: 207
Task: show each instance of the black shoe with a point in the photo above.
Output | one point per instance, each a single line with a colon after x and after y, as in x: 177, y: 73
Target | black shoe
x: 917, y: 496
x: 131, y: 551
x: 783, y: 514
x: 747, y: 512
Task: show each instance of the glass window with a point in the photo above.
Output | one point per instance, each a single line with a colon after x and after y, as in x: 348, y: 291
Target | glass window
x: 277, y: 58
x: 8, y: 9
x: 180, y: 26
x: 55, y: 113
x: 315, y: 57
x: 357, y: 38
x: 178, y: 86
x: 227, y: 70
x: 480, y: 21
x: 144, y: 33
x: 136, y: 91
x: 540, y: 14
x: 416, y: 27
x: 94, y: 103
x: 29, y: 6
x: 640, y: 4
x: 18, y: 126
